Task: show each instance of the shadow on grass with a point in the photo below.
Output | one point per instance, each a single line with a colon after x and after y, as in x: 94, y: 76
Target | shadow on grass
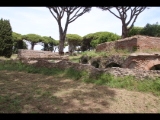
x: 88, y: 99
x: 27, y: 93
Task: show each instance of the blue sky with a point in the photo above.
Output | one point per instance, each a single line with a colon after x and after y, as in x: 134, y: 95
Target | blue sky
x: 38, y: 20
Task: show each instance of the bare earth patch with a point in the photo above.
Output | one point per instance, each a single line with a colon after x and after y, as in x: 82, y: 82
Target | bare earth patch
x: 22, y: 92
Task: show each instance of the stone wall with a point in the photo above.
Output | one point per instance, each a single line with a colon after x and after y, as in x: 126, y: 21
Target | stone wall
x: 24, y: 54
x: 131, y: 43
x: 139, y: 74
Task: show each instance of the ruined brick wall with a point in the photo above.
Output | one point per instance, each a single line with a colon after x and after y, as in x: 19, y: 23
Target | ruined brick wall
x: 149, y: 43
x: 131, y: 43
x: 105, y: 61
x: 93, y: 72
x: 141, y: 62
x: 38, y: 54
x: 107, y: 46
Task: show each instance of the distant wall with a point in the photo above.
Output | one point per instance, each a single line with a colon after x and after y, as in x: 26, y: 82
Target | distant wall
x: 37, y: 54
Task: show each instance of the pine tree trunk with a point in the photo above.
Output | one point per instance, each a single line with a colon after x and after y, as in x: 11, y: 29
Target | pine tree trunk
x: 20, y: 44
x: 124, y: 32
x: 71, y: 49
x: 62, y: 36
x: 61, y: 47
x: 32, y: 45
x: 46, y: 47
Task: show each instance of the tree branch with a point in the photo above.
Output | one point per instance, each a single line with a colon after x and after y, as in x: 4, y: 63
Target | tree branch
x: 120, y: 13
x: 76, y: 16
x: 108, y: 8
x: 135, y: 12
x: 52, y: 13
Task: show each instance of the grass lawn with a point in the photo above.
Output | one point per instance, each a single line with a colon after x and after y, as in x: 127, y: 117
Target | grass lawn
x: 22, y: 92
x: 25, y: 89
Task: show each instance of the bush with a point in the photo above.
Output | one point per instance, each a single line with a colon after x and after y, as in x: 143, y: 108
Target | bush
x: 90, y: 41
x: 151, y: 30
x: 101, y: 37
x: 135, y: 31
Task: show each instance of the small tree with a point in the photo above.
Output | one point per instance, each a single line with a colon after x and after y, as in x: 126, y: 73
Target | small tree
x: 73, y: 41
x: 122, y: 11
x: 33, y: 39
x: 45, y: 42
x: 86, y: 42
x: 55, y: 45
x: 6, y: 42
x: 18, y: 42
x: 49, y: 43
x: 72, y: 14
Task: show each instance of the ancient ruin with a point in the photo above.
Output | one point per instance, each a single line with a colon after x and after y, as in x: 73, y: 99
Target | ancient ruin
x: 141, y: 61
x: 134, y: 43
x: 147, y: 57
x: 141, y: 64
x: 93, y: 72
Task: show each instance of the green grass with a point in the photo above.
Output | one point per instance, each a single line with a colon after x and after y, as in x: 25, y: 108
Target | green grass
x: 124, y: 53
x: 75, y: 59
x: 105, y: 54
x: 127, y: 82
x: 93, y: 53
x: 12, y: 104
x: 14, y: 56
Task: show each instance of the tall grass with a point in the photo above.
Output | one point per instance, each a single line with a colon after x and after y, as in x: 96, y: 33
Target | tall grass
x: 127, y: 82
x: 75, y: 59
x: 93, y: 53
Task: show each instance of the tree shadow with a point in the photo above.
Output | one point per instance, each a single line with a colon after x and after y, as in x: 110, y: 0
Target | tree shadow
x: 77, y: 97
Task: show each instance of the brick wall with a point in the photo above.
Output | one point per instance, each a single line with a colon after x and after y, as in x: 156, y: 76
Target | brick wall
x: 148, y: 43
x: 141, y: 62
x: 93, y: 72
x: 132, y: 43
x: 129, y: 44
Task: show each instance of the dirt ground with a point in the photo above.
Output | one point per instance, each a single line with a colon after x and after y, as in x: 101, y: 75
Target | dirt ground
x: 22, y: 92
